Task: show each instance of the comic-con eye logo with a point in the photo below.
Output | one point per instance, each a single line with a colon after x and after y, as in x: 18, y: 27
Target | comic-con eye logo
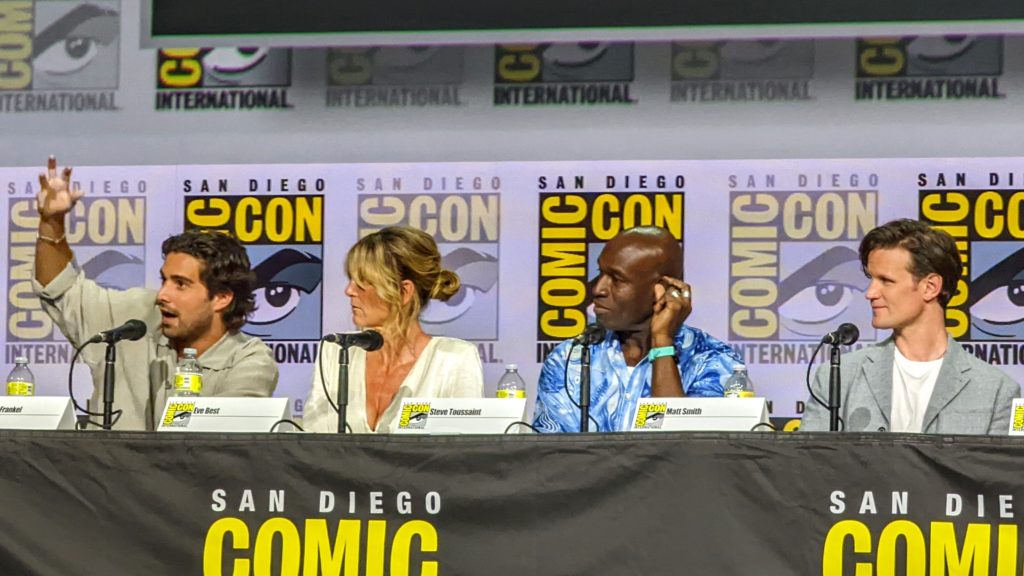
x: 742, y: 70
x: 395, y: 65
x: 59, y: 45
x: 794, y: 268
x: 223, y: 67
x: 583, y: 73
x: 466, y: 228
x: 650, y: 416
x: 283, y: 237
x: 178, y: 414
x: 939, y: 67
x: 395, y: 76
x: 742, y: 59
x: 414, y: 416
x: 584, y: 62
x: 988, y: 304
x: 109, y: 236
x: 930, y: 56
x: 288, y: 297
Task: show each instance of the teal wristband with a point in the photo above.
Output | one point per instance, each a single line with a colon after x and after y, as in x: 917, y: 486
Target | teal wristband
x: 656, y: 353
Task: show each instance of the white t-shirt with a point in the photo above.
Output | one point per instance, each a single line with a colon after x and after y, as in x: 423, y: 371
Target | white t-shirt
x: 912, y: 386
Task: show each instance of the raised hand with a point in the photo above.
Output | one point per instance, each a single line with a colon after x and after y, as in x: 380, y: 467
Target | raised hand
x: 672, y: 306
x: 56, y: 198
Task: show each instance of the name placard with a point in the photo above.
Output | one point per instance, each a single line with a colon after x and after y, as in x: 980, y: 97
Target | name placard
x: 1017, y: 417
x: 711, y: 414
x: 36, y: 413
x: 199, y: 414
x: 460, y: 415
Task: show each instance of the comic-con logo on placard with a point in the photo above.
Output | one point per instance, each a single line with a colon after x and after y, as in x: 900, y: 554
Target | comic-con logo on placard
x: 929, y: 68
x: 395, y: 76
x: 573, y: 74
x: 178, y: 414
x: 794, y: 270
x: 575, y: 223
x: 742, y: 71
x: 108, y: 233
x: 987, y: 311
x: 650, y: 416
x: 414, y: 416
x: 223, y: 78
x: 283, y: 235
x: 59, y: 56
x: 465, y: 223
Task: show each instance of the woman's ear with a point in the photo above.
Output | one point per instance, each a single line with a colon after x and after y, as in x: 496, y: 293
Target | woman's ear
x: 408, y: 291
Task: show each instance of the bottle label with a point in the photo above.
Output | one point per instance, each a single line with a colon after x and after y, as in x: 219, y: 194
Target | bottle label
x: 19, y: 388
x: 511, y: 393
x: 188, y: 384
x: 739, y: 393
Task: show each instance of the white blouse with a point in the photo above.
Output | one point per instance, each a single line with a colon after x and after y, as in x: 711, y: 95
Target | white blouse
x: 447, y: 368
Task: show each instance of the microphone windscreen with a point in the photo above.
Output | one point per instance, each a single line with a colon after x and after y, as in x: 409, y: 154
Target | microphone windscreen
x: 848, y: 334
x: 374, y: 340
x: 134, y: 329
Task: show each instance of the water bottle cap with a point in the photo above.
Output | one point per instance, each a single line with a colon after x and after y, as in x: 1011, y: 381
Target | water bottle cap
x: 190, y: 351
x: 511, y: 366
x: 739, y: 368
x: 21, y: 360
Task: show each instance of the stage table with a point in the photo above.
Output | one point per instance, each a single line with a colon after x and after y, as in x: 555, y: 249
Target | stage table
x: 654, y: 503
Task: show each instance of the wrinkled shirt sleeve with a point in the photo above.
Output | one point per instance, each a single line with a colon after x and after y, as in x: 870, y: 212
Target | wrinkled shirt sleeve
x: 554, y: 412
x: 707, y: 363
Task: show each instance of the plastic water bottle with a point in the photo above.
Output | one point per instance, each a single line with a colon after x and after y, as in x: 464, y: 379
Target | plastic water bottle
x: 188, y: 378
x: 739, y: 385
x: 511, y: 384
x: 21, y: 382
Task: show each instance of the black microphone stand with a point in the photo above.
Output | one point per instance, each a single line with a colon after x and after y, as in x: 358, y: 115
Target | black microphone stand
x: 585, y: 386
x: 108, y: 386
x: 834, y: 387
x: 342, y: 396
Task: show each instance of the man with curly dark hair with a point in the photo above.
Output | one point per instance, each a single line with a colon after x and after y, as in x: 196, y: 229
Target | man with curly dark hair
x: 204, y: 299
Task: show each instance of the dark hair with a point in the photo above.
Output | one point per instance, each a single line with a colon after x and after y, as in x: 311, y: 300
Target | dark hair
x: 225, y: 268
x: 932, y: 251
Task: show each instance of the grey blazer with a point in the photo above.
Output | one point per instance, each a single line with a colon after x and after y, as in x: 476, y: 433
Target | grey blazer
x: 970, y: 396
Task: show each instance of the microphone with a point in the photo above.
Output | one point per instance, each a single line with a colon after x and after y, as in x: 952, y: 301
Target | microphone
x: 368, y: 340
x: 845, y: 335
x: 592, y: 334
x: 130, y: 330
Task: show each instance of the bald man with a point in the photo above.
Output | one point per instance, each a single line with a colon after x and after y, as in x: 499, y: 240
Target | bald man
x: 647, y: 351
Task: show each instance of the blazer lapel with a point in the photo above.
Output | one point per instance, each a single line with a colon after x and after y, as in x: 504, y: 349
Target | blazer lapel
x: 951, y: 380
x: 878, y: 374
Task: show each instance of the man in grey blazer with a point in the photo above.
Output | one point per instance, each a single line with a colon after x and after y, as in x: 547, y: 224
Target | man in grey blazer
x: 919, y: 379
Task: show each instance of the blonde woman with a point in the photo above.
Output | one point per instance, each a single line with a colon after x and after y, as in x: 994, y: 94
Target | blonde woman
x: 393, y: 274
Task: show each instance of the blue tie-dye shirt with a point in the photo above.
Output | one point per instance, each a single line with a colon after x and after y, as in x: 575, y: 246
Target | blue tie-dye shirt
x: 704, y: 364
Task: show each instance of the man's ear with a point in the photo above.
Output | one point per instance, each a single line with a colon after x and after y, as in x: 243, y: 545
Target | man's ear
x: 931, y: 287
x: 659, y: 291
x: 222, y: 300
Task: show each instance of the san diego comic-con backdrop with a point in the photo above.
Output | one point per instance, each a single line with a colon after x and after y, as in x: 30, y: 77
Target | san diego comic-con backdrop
x: 769, y: 247
x: 294, y: 151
